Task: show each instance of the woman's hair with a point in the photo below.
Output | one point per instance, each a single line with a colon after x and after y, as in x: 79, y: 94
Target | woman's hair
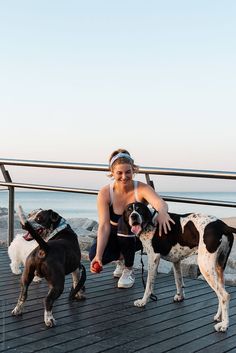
x: 121, y: 156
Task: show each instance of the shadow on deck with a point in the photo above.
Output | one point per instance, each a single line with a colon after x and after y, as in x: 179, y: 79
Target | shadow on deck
x: 107, y: 321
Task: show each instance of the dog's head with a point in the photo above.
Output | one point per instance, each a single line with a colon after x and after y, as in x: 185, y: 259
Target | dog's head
x: 40, y: 229
x: 48, y: 219
x: 137, y: 215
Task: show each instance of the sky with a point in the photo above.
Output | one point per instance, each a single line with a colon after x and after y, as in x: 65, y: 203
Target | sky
x: 79, y: 79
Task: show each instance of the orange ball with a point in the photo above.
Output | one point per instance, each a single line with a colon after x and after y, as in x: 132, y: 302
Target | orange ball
x: 96, y: 267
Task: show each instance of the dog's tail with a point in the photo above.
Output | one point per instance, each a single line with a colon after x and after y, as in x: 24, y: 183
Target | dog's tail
x: 80, y: 284
x: 42, y: 244
x: 231, y: 230
x: 225, y: 252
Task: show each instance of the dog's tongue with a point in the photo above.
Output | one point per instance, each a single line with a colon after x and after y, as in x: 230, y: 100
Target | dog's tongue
x: 136, y: 229
x: 28, y: 237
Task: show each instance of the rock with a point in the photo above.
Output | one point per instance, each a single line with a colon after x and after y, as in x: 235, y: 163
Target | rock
x: 190, y: 267
x: 165, y: 267
x: 230, y: 279
x: 85, y: 243
x: 3, y: 211
x: 84, y: 223
x: 4, y: 222
x: 85, y: 228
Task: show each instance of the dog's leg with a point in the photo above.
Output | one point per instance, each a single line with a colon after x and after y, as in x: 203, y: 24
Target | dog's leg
x: 15, y: 267
x: 14, y: 257
x: 179, y: 296
x: 214, y: 276
x: 153, y: 262
x: 222, y: 315
x: 76, y: 277
x: 56, y: 289
x: 36, y: 278
x: 26, y: 279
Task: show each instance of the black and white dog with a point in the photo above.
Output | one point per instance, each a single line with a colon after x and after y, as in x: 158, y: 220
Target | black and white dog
x: 192, y: 233
x: 52, y: 260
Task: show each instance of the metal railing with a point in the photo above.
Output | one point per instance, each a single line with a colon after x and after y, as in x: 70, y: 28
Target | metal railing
x: 147, y: 171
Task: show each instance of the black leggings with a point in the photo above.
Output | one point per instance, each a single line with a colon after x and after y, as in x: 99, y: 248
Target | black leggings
x: 116, y: 246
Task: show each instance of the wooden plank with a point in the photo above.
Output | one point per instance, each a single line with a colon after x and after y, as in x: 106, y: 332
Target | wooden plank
x: 107, y: 320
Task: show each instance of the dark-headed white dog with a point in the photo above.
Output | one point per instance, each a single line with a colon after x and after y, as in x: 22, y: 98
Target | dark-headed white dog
x: 192, y: 233
x: 23, y: 244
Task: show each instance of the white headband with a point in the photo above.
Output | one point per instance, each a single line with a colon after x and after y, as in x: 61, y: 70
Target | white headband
x: 121, y: 155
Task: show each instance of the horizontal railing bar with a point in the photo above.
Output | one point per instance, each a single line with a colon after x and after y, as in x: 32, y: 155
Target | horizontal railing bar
x: 188, y: 173
x: 95, y: 192
x: 199, y: 201
x: 50, y: 164
x: 50, y: 188
x: 104, y: 167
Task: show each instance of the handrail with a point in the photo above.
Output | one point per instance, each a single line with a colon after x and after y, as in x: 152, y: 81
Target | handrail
x: 49, y: 188
x: 103, y: 168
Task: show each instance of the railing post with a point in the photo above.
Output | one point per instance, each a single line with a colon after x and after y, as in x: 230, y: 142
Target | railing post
x: 149, y: 181
x: 11, y: 199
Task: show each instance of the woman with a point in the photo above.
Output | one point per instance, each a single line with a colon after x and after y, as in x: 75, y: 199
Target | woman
x: 111, y: 202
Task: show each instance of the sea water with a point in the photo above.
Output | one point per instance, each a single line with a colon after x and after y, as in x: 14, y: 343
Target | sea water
x: 81, y: 205
x: 66, y: 204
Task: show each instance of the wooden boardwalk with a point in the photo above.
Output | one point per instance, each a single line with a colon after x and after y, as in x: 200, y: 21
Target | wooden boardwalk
x: 107, y: 321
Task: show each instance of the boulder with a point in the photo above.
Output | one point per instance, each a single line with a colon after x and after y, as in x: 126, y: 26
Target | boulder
x: 3, y: 211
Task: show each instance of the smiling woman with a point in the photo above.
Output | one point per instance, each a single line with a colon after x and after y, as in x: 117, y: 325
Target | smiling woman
x: 111, y: 203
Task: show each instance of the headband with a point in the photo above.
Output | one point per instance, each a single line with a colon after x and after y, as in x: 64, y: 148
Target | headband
x: 121, y: 155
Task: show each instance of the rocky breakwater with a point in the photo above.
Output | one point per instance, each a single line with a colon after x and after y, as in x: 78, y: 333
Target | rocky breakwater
x: 85, y: 228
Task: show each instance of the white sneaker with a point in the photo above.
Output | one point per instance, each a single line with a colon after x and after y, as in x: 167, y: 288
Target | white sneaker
x: 119, y: 269
x: 127, y: 279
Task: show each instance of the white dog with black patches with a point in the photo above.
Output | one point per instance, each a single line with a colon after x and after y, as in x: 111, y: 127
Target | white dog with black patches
x: 22, y: 245
x: 192, y: 233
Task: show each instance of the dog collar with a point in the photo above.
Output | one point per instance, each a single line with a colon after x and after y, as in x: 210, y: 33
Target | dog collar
x: 62, y: 225
x: 126, y: 235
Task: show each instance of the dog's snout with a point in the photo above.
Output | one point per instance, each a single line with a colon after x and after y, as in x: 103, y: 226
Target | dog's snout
x: 134, y: 216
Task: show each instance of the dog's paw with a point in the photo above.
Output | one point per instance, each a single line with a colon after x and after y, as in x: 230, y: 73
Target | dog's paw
x: 221, y: 327
x: 49, y: 319
x: 217, y: 317
x: 80, y: 296
x: 37, y: 279
x: 178, y: 298
x: 16, y: 271
x: 16, y: 311
x: 140, y: 303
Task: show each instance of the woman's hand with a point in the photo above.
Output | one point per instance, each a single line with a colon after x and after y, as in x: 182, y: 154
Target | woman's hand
x: 95, y: 259
x: 164, y: 222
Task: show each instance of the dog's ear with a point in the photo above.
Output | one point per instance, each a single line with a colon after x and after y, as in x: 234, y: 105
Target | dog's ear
x: 54, y: 216
x: 123, y: 226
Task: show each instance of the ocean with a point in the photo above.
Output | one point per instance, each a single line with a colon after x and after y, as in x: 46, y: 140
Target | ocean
x: 80, y: 205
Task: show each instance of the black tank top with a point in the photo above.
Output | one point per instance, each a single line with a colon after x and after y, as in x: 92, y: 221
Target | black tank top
x: 114, y: 218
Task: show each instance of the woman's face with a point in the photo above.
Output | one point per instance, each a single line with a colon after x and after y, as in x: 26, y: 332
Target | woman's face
x: 122, y: 172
